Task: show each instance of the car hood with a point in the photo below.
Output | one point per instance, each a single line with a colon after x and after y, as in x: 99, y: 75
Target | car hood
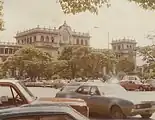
x: 135, y: 97
x: 68, y: 101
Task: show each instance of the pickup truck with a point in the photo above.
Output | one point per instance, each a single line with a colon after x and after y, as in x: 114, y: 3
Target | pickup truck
x: 13, y: 93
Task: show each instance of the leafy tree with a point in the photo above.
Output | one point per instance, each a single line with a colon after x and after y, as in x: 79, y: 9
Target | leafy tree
x: 67, y: 55
x: 29, y: 60
x: 1, y: 15
x: 55, y: 67
x: 125, y: 65
x: 83, y: 62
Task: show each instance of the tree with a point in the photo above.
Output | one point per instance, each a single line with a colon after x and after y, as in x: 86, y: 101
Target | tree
x: 148, y: 55
x: 83, y: 62
x: 1, y: 15
x: 125, y: 65
x: 28, y: 60
x: 77, y: 6
x: 67, y: 55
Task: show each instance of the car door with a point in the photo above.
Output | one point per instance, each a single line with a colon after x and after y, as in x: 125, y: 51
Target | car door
x: 94, y: 101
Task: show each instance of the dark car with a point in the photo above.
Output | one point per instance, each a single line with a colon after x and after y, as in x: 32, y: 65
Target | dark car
x: 111, y: 100
x: 41, y: 112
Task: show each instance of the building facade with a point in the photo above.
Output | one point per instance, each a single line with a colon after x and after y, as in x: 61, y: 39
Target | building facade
x: 49, y: 40
x: 125, y: 48
x: 52, y: 40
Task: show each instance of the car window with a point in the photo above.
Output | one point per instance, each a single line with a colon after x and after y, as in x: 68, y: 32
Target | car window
x: 83, y: 90
x: 9, y: 96
x: 94, y: 91
x: 56, y: 117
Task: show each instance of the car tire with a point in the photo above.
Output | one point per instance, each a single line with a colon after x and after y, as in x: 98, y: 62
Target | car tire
x: 146, y: 116
x: 116, y: 113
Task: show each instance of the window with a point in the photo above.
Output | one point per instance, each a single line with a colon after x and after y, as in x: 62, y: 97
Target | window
x: 119, y: 47
x: 52, y: 39
x: 30, y: 40
x: 57, y: 117
x: 9, y: 96
x: 42, y: 38
x: 94, y: 91
x: 77, y: 41
x: 81, y: 42
x: 83, y: 90
x: 86, y: 42
x: 47, y: 39
x: 34, y: 38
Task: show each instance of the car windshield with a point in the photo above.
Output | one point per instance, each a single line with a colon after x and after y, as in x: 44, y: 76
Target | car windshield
x: 69, y: 88
x: 26, y: 92
x: 111, y: 89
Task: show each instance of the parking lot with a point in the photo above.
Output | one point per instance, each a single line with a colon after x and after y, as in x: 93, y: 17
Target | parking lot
x: 50, y: 92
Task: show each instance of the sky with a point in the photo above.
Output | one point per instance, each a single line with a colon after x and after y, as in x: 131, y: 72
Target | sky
x: 122, y: 19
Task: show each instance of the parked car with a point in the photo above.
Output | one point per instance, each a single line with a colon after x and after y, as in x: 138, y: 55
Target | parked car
x: 111, y: 100
x: 71, y: 86
x: 14, y: 93
x: 133, y: 85
x: 41, y: 112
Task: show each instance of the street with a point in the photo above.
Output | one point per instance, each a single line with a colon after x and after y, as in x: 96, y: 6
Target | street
x: 50, y: 92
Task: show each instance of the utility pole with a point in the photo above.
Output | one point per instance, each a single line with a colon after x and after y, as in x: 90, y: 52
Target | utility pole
x: 108, y: 56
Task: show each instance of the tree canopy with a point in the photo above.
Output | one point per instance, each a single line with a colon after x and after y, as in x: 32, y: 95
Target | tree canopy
x: 77, y: 6
x: 28, y: 60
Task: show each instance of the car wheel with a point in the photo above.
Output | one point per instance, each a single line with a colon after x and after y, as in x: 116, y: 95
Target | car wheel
x: 116, y: 113
x: 146, y: 116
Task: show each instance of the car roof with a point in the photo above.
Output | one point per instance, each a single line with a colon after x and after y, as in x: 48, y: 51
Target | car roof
x: 100, y: 85
x: 36, y: 108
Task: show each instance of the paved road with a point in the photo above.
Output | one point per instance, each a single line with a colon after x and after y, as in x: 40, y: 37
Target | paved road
x: 50, y: 92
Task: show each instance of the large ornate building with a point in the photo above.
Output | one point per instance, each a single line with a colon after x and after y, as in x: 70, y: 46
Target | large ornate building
x: 50, y: 40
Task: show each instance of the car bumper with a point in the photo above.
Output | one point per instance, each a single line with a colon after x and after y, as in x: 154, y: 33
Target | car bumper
x: 143, y: 111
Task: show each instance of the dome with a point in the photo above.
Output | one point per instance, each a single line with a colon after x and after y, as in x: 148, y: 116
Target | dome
x: 65, y: 26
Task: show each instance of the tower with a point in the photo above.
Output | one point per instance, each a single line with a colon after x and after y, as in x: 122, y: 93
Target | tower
x: 125, y: 49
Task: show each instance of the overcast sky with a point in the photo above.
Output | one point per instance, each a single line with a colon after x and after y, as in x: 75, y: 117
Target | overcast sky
x: 123, y: 19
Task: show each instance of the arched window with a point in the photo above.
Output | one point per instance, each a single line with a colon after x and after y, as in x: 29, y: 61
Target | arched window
x: 30, y: 40
x: 42, y: 38
x: 86, y: 42
x: 6, y: 50
x: 34, y: 38
x: 77, y: 41
x: 119, y: 47
x: 47, y: 39
x: 82, y: 42
x: 24, y: 42
x: 52, y: 39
